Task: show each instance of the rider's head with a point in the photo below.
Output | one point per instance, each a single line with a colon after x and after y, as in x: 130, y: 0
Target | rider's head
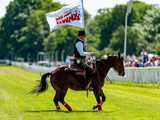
x: 82, y: 34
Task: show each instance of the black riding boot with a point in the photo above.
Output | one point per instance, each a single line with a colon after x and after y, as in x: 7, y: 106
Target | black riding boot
x: 89, y: 72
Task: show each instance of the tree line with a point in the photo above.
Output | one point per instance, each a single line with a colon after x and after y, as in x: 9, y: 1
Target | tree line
x: 24, y: 31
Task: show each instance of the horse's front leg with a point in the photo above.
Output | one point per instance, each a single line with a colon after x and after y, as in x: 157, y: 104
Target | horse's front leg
x: 97, y: 96
x: 102, y: 99
x: 103, y: 96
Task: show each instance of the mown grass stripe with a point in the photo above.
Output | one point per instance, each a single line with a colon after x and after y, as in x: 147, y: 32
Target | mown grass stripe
x: 123, y: 102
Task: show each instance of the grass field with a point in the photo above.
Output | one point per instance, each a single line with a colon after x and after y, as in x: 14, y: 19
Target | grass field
x: 123, y: 102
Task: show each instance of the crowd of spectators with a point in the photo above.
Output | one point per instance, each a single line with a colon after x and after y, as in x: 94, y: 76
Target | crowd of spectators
x: 144, y: 60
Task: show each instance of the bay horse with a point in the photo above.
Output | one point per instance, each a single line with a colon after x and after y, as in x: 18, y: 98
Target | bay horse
x: 61, y: 80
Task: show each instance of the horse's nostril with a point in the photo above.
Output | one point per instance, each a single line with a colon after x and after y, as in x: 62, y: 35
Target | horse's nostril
x: 123, y: 73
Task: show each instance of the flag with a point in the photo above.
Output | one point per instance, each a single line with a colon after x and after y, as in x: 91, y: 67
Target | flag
x: 68, y: 15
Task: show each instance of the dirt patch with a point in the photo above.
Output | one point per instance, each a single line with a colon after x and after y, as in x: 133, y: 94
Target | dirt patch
x: 6, y: 72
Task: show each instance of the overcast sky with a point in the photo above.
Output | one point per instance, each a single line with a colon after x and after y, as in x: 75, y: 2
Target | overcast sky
x: 91, y: 5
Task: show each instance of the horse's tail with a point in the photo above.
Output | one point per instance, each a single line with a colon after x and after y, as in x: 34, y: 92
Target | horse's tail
x: 43, y: 84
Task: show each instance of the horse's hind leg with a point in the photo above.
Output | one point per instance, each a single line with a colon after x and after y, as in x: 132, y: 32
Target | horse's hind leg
x: 56, y: 99
x: 62, y: 95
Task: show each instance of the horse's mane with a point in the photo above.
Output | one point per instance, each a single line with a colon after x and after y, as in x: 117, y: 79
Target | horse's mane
x: 105, y: 60
x: 103, y: 64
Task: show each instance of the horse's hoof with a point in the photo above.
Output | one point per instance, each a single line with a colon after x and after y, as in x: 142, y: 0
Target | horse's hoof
x: 68, y: 107
x: 99, y: 108
x: 94, y: 107
x: 58, y: 108
x: 70, y: 110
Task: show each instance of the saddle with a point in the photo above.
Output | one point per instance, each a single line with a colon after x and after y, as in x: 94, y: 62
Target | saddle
x: 76, y: 69
x: 79, y: 71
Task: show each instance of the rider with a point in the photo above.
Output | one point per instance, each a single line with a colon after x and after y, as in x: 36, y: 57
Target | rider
x: 80, y: 53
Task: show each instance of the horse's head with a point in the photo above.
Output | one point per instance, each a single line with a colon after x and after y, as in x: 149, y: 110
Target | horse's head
x: 117, y: 64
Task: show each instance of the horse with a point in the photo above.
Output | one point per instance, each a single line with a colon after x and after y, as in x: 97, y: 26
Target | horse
x: 61, y: 80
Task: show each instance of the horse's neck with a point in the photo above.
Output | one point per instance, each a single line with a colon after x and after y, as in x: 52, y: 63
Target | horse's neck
x: 103, y: 68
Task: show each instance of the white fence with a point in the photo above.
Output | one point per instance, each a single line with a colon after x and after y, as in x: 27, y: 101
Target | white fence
x: 147, y: 74
x: 33, y: 67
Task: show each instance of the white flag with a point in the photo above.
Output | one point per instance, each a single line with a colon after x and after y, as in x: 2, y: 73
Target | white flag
x: 68, y: 15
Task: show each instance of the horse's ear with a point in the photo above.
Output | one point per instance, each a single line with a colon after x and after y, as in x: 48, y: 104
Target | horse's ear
x: 119, y: 55
x: 122, y: 58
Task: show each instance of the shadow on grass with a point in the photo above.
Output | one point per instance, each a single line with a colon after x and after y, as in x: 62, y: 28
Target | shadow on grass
x: 65, y: 111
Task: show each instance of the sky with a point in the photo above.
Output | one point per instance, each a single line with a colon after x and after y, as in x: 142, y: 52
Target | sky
x: 93, y: 5
x: 90, y: 5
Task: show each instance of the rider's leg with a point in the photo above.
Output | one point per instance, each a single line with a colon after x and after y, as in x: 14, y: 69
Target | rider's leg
x: 89, y: 72
x: 87, y: 68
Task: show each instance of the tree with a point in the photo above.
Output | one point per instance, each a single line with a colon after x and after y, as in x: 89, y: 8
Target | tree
x: 151, y: 29
x: 139, y: 9
x: 24, y: 26
x: 24, y: 29
x: 151, y: 25
x: 61, y: 40
x: 2, y: 42
x: 135, y: 41
x: 109, y: 20
x: 93, y: 29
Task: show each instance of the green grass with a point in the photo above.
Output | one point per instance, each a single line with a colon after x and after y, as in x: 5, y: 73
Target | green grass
x: 134, y: 84
x: 124, y: 102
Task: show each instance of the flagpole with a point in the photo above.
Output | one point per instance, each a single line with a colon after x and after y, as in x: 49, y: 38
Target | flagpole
x: 83, y: 13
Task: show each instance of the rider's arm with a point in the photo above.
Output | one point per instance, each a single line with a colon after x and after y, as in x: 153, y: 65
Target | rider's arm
x: 79, y: 46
